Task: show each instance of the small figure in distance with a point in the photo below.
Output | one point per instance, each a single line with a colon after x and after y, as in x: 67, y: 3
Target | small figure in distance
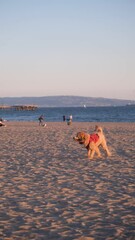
x: 70, y: 117
x: 64, y: 118
x: 69, y: 120
x: 41, y: 121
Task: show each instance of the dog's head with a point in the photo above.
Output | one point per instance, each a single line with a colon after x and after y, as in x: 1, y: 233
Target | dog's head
x: 80, y: 137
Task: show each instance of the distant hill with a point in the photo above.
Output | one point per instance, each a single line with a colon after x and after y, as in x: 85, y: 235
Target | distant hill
x: 64, y: 101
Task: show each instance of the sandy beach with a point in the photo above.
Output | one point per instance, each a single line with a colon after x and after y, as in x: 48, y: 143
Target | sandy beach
x: 49, y: 189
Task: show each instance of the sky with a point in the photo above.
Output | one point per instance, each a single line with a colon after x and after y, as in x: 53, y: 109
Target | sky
x: 67, y: 47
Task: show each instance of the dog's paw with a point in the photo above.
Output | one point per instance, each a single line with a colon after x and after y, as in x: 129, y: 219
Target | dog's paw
x: 109, y: 154
x: 90, y: 158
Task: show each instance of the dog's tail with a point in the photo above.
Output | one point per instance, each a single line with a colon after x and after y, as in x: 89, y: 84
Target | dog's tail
x: 98, y: 129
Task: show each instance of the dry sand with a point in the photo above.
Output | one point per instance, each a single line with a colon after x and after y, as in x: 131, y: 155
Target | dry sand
x: 50, y: 190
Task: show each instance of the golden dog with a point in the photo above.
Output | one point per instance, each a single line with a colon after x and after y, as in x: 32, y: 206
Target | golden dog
x: 93, y: 141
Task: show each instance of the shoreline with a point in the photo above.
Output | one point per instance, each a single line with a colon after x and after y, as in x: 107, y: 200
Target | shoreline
x: 51, y: 190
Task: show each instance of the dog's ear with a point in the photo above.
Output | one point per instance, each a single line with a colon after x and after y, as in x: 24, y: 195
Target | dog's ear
x: 78, y: 135
x: 81, y: 135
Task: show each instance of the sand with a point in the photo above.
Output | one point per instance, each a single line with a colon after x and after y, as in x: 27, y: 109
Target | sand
x: 49, y: 189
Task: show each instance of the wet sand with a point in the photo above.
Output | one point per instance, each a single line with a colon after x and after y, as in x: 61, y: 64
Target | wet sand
x: 49, y: 189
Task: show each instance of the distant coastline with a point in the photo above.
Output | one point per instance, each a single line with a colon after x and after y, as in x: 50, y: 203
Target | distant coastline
x: 64, y: 101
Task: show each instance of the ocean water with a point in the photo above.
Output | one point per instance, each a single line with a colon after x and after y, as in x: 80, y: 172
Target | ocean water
x: 80, y: 114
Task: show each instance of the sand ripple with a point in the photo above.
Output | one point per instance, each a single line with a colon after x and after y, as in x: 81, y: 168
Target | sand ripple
x: 50, y: 190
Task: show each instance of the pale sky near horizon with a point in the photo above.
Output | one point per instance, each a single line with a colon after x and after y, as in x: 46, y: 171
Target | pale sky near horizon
x: 67, y: 47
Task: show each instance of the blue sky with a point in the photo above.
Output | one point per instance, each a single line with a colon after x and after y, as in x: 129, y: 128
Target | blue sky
x: 67, y: 47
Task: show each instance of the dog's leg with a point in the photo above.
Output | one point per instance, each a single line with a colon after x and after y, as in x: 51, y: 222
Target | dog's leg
x: 104, y: 145
x: 92, y: 154
x: 108, y: 152
x: 89, y: 152
x: 98, y: 152
x: 92, y: 147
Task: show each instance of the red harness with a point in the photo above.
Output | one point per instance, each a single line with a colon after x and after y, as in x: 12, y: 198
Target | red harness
x: 93, y: 138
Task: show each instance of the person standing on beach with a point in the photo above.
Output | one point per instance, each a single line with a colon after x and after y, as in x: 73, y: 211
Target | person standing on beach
x: 64, y: 118
x: 41, y: 121
x: 69, y: 120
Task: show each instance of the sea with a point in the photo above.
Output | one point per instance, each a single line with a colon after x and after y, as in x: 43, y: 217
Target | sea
x: 79, y: 114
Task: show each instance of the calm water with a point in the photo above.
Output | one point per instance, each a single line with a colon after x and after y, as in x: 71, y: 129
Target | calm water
x: 80, y: 114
